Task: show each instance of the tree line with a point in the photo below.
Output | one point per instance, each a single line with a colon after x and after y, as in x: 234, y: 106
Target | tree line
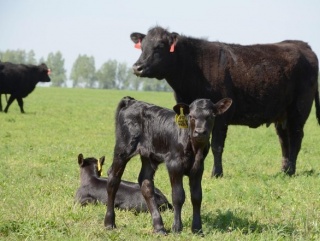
x: 111, y: 75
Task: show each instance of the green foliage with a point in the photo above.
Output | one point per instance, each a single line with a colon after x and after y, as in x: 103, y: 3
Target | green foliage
x: 83, y: 71
x: 58, y: 74
x: 39, y: 176
x: 106, y: 75
x: 18, y: 56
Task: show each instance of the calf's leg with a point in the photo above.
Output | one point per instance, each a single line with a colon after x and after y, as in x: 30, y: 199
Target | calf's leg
x: 178, y: 198
x: 114, y: 178
x: 147, y: 188
x: 196, y: 199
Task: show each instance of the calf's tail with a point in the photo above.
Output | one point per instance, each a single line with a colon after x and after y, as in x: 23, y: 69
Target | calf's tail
x: 317, y: 103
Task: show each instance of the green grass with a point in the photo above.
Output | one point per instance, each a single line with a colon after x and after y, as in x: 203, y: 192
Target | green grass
x: 39, y: 175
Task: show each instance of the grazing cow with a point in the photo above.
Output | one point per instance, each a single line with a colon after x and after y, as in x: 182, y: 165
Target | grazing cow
x: 93, y: 189
x: 20, y: 80
x: 268, y: 83
x: 151, y: 132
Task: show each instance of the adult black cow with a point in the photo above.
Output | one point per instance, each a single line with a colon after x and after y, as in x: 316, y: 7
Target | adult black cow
x: 268, y: 83
x: 19, y: 80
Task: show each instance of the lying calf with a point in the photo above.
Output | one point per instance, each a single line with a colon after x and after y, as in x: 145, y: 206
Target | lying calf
x: 93, y: 189
x: 151, y: 132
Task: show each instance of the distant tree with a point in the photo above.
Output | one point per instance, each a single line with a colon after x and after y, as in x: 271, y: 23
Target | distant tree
x: 14, y: 56
x: 83, y: 71
x: 155, y: 85
x: 106, y: 75
x: 30, y: 58
x: 55, y: 62
x: 126, y: 79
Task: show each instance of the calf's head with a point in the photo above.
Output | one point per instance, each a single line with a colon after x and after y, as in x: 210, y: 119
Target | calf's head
x: 200, y: 116
x: 91, y: 165
x: 158, y: 48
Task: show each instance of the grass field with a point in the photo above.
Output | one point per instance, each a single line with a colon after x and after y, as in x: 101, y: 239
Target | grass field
x: 39, y: 175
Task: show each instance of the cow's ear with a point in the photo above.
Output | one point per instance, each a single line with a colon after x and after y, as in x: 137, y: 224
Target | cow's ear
x: 102, y: 160
x: 80, y: 159
x: 181, y: 107
x: 222, y: 106
x: 173, y: 39
x: 137, y: 38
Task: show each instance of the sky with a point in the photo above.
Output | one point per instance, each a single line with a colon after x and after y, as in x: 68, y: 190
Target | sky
x: 102, y: 28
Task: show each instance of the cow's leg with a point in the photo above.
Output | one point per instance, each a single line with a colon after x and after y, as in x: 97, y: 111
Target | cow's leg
x: 147, y: 188
x: 178, y: 197
x: 20, y: 102
x: 282, y: 132
x: 219, y: 135
x: 114, y: 178
x: 0, y: 104
x: 11, y: 99
x: 196, y: 199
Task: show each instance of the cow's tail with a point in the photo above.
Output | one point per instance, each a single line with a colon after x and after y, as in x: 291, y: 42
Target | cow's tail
x: 317, y: 103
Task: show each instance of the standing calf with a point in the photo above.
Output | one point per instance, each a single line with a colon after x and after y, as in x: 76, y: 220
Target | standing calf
x: 151, y: 132
x: 19, y: 80
x: 93, y: 189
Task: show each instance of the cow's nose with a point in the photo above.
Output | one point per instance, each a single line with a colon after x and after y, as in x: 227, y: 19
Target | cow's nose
x: 137, y: 69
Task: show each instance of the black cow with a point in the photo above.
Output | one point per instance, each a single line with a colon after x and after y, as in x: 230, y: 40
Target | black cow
x: 93, y: 189
x: 151, y: 132
x: 19, y: 80
x: 269, y: 83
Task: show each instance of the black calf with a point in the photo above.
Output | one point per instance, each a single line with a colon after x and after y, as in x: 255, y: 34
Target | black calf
x: 93, y: 189
x: 151, y: 132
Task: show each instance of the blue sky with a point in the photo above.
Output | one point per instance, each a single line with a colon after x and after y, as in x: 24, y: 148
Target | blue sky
x: 101, y: 28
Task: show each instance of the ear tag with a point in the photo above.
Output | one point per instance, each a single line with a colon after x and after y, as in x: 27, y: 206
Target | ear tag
x: 181, y: 120
x: 138, y: 45
x: 99, y: 168
x: 49, y: 71
x: 172, y: 48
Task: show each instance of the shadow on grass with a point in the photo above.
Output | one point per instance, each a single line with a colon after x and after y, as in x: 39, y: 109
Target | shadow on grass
x: 226, y: 222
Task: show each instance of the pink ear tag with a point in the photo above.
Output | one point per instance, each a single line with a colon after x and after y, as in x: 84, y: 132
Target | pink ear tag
x: 172, y: 48
x: 49, y: 71
x: 138, y: 45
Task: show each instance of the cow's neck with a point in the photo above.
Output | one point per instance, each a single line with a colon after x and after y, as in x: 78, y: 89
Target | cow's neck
x: 190, y: 78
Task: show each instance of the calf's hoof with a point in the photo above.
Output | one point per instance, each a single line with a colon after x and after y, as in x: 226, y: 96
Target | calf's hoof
x: 217, y: 173
x: 161, y: 231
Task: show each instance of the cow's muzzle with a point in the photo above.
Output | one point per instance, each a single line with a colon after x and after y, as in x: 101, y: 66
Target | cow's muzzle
x: 137, y: 70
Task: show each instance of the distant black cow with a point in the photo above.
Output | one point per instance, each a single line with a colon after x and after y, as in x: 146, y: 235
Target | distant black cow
x: 19, y: 80
x: 269, y: 83
x: 151, y: 132
x: 93, y: 189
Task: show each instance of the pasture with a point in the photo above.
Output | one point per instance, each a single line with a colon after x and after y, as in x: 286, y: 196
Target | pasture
x: 39, y: 176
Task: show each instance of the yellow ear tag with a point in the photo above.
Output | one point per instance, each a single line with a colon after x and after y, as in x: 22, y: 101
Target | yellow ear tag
x: 99, y: 168
x: 181, y: 120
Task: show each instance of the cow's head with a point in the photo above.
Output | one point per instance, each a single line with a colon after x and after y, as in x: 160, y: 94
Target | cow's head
x: 158, y: 52
x: 44, y: 73
x: 200, y: 115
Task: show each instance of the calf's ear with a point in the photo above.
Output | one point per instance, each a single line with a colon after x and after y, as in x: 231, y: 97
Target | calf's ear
x: 222, y: 106
x: 178, y: 108
x: 80, y: 159
x: 102, y: 160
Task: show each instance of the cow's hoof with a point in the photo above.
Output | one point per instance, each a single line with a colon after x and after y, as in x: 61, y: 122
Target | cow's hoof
x: 110, y: 226
x: 198, y: 232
